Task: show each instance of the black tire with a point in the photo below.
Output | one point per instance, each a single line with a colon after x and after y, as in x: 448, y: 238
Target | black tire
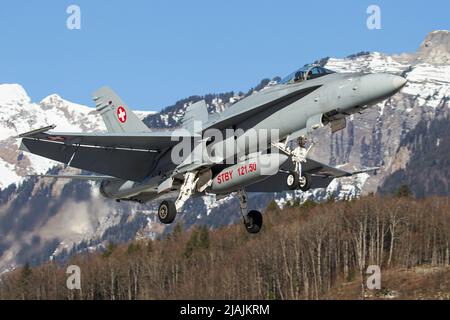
x: 305, y: 182
x: 167, y: 212
x: 292, y: 180
x: 255, y: 221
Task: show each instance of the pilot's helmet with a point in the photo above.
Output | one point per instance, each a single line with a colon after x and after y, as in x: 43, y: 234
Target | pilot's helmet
x: 298, y: 76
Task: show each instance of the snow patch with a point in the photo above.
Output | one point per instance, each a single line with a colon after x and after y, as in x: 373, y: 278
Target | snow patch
x: 8, y: 175
x: 429, y: 84
x: 13, y: 93
x: 372, y: 62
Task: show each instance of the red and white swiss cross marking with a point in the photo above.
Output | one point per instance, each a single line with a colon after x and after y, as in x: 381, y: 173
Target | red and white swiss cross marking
x: 121, y: 114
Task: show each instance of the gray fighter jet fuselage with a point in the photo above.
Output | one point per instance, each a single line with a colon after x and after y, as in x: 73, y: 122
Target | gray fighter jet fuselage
x: 289, y: 108
x: 310, y: 98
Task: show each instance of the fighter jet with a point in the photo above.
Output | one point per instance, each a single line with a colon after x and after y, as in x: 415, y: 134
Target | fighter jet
x: 134, y: 163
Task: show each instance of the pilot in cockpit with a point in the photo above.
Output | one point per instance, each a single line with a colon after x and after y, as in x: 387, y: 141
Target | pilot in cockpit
x: 298, y: 76
x: 306, y: 73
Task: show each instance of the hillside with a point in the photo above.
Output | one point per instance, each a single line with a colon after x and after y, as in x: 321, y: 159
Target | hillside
x: 418, y: 283
x: 304, y: 252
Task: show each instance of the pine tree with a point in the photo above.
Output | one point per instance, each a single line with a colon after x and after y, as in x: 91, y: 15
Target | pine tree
x: 109, y: 249
x: 203, y: 237
x: 177, y: 231
x: 272, y: 206
x: 404, y: 191
x: 192, y: 244
x: 25, y: 280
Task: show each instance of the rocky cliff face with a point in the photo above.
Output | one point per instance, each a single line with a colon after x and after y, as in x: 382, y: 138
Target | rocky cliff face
x: 435, y: 48
x: 406, y: 136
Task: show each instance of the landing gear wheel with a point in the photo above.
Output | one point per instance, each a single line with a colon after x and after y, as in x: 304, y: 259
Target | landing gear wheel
x: 292, y: 180
x: 167, y: 212
x: 254, y: 222
x: 305, y: 182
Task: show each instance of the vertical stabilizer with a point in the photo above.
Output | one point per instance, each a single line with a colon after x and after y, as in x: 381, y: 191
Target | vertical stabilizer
x: 197, y: 112
x: 115, y: 113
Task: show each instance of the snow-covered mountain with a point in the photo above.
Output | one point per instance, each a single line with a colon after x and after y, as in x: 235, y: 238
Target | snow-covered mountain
x: 42, y: 218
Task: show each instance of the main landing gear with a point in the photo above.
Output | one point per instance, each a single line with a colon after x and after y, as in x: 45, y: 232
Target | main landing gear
x: 167, y: 212
x: 253, y: 219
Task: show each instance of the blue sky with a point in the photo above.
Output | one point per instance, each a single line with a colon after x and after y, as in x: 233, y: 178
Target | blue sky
x: 156, y: 52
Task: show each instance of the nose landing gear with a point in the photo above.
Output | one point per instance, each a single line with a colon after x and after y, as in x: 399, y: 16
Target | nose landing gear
x: 304, y: 182
x: 297, y: 179
x: 294, y: 182
x: 253, y: 220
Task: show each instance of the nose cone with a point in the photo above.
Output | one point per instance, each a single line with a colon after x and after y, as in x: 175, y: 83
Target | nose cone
x: 398, y: 82
x: 380, y: 86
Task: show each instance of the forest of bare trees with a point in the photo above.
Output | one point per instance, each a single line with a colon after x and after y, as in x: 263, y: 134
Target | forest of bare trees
x: 301, y: 253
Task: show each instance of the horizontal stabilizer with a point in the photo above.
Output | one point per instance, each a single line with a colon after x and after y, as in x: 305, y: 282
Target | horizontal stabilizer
x: 127, y: 156
x: 35, y: 131
x: 365, y: 170
x: 74, y: 177
x: 145, y: 141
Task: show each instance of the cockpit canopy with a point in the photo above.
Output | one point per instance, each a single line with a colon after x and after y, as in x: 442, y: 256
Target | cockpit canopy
x: 308, y: 72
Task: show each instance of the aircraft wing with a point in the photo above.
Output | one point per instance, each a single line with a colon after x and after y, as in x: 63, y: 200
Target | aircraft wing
x: 127, y: 156
x: 318, y: 169
x: 321, y: 176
